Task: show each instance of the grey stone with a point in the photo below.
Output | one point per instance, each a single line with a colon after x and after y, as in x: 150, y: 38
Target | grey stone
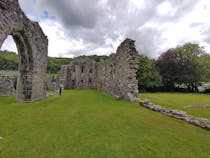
x: 201, y: 122
x: 194, y: 121
x: 179, y: 113
x: 7, y: 85
x: 32, y: 45
x: 50, y: 84
x: 208, y: 126
x: 115, y: 75
x: 197, y: 106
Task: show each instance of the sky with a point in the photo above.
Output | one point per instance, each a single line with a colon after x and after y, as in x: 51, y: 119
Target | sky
x: 87, y: 27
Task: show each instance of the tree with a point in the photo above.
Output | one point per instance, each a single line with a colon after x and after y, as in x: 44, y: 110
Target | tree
x: 168, y: 68
x: 8, y: 60
x: 148, y: 75
x: 204, y: 67
x: 182, y: 66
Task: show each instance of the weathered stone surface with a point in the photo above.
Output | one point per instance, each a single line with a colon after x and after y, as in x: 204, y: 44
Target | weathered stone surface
x: 7, y: 85
x: 32, y: 45
x: 115, y: 75
x: 50, y: 83
x: 181, y: 115
x: 197, y: 106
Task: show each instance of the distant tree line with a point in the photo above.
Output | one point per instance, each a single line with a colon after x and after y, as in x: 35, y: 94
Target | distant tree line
x: 10, y: 60
x: 183, y: 68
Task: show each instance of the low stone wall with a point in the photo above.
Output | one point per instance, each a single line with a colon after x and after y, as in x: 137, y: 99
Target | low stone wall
x: 50, y: 84
x: 7, y: 86
x: 181, y: 115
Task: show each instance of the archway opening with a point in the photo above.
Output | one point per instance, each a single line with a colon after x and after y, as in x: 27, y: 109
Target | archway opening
x: 9, y: 57
x: 21, y: 62
x: 8, y: 67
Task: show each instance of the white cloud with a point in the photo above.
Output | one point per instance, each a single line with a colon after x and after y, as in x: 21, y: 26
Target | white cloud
x: 164, y: 8
x: 98, y: 27
x: 59, y: 42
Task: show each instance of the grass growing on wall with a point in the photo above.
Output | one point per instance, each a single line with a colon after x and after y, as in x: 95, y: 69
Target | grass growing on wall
x: 90, y: 124
x: 47, y: 75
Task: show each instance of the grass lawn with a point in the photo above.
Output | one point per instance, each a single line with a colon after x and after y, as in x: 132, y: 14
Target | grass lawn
x: 91, y: 124
x: 180, y: 100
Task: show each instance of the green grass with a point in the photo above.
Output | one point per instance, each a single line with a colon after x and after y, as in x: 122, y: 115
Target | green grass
x: 179, y: 101
x: 90, y: 124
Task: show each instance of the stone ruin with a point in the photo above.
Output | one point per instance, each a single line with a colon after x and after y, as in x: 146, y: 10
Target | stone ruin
x: 7, y: 85
x: 32, y: 45
x: 50, y: 83
x: 115, y: 75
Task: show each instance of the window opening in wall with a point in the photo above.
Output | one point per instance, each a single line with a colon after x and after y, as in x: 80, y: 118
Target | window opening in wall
x: 111, y: 67
x: 90, y: 81
x: 83, y: 69
x: 73, y: 69
x: 91, y: 71
x: 82, y: 81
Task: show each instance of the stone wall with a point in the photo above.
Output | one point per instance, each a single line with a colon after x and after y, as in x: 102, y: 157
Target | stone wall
x: 181, y: 115
x: 79, y: 74
x: 50, y: 84
x: 32, y: 45
x: 115, y: 75
x: 7, y: 85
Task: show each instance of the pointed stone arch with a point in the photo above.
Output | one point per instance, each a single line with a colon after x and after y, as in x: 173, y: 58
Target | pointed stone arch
x: 32, y: 45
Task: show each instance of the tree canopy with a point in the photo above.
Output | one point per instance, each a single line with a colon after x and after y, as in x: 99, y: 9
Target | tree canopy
x: 184, y: 66
x: 148, y: 75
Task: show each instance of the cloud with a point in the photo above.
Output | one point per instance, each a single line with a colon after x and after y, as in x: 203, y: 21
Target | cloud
x: 206, y: 34
x: 78, y: 27
x: 73, y: 13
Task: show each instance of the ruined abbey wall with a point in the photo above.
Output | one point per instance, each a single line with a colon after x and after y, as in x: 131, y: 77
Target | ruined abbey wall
x: 7, y: 85
x: 32, y: 45
x: 115, y: 75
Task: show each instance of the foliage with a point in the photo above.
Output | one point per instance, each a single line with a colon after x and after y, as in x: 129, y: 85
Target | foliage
x: 98, y: 58
x: 54, y: 75
x: 8, y: 60
x: 204, y: 66
x: 54, y: 64
x: 184, y: 66
x: 148, y: 75
x: 179, y: 101
x: 95, y: 126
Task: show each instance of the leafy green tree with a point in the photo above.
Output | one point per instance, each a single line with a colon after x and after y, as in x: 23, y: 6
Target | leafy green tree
x: 98, y: 58
x: 204, y: 67
x: 148, y: 75
x: 183, y: 66
x: 54, y: 64
x: 8, y: 60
